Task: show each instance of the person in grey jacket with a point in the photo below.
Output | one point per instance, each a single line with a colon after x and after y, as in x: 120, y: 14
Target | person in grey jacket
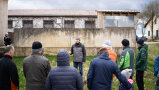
x: 36, y: 68
x: 64, y: 77
x: 79, y: 55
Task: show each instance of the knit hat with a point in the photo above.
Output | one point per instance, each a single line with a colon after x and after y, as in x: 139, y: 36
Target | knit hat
x: 78, y: 38
x: 140, y: 41
x: 36, y: 45
x: 125, y: 42
x: 127, y: 73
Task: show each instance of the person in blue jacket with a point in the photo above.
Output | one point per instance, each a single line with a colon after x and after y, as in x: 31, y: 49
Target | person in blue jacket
x: 100, y: 73
x: 156, y: 70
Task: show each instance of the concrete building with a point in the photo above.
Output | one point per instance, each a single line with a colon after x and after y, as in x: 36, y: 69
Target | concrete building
x: 3, y: 19
x: 58, y: 29
x: 148, y: 27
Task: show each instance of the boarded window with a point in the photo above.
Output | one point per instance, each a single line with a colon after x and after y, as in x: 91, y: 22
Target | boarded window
x: 10, y: 24
x: 48, y: 24
x: 27, y: 24
x: 119, y: 21
x: 89, y: 24
x: 148, y: 33
x: 69, y: 24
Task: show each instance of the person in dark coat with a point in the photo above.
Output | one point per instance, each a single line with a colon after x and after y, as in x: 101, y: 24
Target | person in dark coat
x: 141, y: 63
x: 79, y: 55
x: 7, y: 40
x: 156, y: 70
x: 9, y: 79
x: 36, y: 68
x: 100, y: 73
x: 64, y: 77
x: 1, y: 54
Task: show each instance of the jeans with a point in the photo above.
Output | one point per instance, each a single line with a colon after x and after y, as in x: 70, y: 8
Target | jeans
x: 80, y: 64
x: 139, y: 79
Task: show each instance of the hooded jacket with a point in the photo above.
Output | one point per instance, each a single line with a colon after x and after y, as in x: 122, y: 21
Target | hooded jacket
x: 36, y: 68
x: 64, y: 77
x: 141, y: 59
x: 100, y: 73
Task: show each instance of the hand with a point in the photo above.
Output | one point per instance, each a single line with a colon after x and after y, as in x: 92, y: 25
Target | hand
x: 69, y: 52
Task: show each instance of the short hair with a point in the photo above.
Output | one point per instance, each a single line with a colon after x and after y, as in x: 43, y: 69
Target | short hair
x: 101, y: 51
x: 7, y: 49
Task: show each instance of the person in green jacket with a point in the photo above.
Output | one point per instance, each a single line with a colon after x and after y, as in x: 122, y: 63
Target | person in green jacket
x: 127, y: 57
x: 141, y: 63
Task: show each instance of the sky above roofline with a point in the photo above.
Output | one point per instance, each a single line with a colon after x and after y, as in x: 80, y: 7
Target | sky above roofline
x: 78, y: 4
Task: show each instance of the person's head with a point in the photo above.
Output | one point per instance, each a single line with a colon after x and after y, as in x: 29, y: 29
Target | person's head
x: 1, y: 54
x: 78, y: 40
x: 37, y: 47
x: 140, y: 42
x: 127, y: 73
x: 101, y: 51
x: 125, y: 42
x: 6, y: 35
x: 63, y: 58
x: 107, y: 44
x: 9, y: 50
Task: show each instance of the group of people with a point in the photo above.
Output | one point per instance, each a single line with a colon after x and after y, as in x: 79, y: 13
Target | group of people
x: 102, y: 69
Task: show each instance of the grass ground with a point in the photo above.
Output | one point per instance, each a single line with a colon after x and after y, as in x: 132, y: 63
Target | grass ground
x: 149, y: 78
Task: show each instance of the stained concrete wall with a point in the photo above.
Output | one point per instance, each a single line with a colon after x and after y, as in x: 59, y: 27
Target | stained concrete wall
x: 58, y: 21
x: 55, y: 39
x: 3, y: 19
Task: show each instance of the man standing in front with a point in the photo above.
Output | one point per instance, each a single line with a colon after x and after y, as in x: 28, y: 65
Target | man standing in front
x: 36, y: 68
x: 127, y: 57
x: 9, y: 79
x: 79, y: 55
x: 141, y: 63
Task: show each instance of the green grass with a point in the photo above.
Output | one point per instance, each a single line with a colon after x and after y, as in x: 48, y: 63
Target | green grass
x: 149, y: 78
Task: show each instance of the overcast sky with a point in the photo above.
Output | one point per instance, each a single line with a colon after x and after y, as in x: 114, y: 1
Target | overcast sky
x: 78, y: 4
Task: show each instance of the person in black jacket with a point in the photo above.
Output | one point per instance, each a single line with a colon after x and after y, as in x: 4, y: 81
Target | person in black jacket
x: 79, y: 55
x: 9, y: 79
x: 7, y: 40
x: 64, y: 77
x: 101, y: 70
x: 1, y: 54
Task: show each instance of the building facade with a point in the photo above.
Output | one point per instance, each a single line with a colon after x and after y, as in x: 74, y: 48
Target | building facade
x: 148, y: 27
x: 57, y: 29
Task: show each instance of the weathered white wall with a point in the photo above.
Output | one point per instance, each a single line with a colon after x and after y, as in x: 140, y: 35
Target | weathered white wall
x: 155, y: 27
x: 58, y: 21
x: 3, y: 19
x: 54, y: 39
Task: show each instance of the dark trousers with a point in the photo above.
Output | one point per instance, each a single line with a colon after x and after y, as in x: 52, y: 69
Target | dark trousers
x: 139, y: 79
x: 80, y: 64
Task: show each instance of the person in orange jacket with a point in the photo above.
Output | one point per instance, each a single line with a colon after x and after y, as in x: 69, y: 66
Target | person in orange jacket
x: 112, y: 54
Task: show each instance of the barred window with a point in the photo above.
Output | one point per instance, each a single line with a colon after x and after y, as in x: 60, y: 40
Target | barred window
x: 10, y: 24
x: 27, y: 24
x: 90, y: 24
x: 48, y: 24
x: 69, y: 24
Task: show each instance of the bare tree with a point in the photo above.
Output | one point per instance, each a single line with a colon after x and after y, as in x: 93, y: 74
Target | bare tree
x: 150, y: 10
